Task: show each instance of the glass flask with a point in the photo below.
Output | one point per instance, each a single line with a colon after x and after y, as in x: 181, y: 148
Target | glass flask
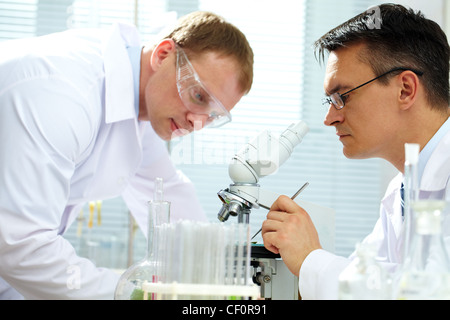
x: 410, y: 194
x: 130, y: 283
x: 425, y: 273
x: 364, y: 278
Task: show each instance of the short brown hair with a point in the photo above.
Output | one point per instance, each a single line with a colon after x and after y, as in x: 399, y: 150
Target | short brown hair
x: 205, y: 31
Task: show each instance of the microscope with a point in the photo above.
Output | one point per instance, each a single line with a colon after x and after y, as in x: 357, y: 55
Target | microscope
x: 261, y: 157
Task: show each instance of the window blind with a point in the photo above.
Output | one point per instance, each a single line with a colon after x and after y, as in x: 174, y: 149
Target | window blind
x: 17, y: 19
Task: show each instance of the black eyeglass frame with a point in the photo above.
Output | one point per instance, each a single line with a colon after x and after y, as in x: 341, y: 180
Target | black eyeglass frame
x: 332, y: 98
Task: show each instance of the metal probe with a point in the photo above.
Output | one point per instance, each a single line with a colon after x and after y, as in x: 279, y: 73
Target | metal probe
x: 293, y: 197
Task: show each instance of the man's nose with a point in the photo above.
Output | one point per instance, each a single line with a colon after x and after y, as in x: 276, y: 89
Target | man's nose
x: 197, y: 121
x: 333, y: 116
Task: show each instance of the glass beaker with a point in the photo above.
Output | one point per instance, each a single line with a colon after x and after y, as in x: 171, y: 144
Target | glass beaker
x: 364, y: 278
x: 129, y: 286
x: 426, y: 269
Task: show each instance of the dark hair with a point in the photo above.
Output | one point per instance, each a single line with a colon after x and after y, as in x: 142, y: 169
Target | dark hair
x: 397, y: 37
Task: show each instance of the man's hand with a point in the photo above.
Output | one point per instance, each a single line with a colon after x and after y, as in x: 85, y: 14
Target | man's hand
x: 290, y: 232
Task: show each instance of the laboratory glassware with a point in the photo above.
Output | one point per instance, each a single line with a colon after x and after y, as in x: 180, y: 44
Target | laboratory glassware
x: 364, y: 278
x: 410, y: 194
x: 425, y: 273
x: 201, y: 260
x: 425, y: 269
x: 130, y: 283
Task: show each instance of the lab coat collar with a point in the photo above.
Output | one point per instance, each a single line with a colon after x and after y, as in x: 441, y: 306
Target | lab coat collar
x: 119, y: 87
x: 437, y: 171
x: 435, y: 178
x: 390, y: 198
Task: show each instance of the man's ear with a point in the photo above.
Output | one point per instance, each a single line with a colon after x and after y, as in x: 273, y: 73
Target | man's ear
x: 409, y: 85
x: 161, y: 52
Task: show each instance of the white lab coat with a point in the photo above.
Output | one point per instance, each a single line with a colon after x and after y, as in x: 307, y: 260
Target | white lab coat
x: 69, y: 134
x: 318, y: 278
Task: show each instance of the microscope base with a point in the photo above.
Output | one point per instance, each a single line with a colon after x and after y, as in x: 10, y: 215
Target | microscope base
x: 272, y: 275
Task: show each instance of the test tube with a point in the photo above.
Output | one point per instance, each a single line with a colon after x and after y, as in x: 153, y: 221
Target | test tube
x: 158, y: 194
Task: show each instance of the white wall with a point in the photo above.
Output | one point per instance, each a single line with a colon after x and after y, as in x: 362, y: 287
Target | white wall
x: 436, y: 10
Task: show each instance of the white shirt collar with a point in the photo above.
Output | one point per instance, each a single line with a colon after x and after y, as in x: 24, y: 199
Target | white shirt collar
x: 119, y: 85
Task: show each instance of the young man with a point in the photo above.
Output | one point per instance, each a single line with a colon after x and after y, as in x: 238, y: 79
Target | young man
x: 386, y: 86
x: 83, y: 116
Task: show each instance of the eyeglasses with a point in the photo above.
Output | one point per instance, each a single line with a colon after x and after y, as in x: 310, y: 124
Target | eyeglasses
x: 338, y: 100
x: 195, y: 96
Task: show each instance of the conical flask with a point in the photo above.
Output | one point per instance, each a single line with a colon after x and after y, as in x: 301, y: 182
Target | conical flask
x: 364, y: 278
x: 129, y: 286
x: 426, y: 270
x: 410, y: 194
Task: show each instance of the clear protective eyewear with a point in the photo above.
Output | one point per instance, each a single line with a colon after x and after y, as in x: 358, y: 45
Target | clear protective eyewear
x: 338, y: 100
x: 195, y: 96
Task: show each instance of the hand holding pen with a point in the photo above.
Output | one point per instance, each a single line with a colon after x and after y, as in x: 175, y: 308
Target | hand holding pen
x: 293, y: 197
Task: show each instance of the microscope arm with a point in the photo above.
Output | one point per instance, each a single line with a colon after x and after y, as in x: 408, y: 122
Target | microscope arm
x: 254, y: 194
x: 267, y: 198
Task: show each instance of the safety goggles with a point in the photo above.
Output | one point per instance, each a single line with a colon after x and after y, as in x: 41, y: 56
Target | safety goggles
x: 195, y: 96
